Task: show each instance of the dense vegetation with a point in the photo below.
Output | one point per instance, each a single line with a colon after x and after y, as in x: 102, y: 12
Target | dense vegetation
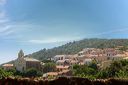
x: 117, y: 69
x: 76, y: 46
x: 4, y: 73
x: 49, y: 67
x: 32, y: 72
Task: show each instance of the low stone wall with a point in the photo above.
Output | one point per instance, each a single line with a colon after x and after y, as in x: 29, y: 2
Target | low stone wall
x: 63, y: 81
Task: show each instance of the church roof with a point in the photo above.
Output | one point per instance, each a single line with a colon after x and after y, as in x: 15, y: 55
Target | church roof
x: 31, y: 59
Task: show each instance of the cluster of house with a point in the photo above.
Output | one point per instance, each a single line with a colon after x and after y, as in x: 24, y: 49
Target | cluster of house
x: 88, y: 54
x: 23, y: 63
x: 103, y: 57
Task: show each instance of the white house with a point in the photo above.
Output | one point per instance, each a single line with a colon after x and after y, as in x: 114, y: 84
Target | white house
x: 87, y: 61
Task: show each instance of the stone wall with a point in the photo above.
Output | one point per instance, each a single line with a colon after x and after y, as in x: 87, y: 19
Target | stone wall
x: 63, y: 81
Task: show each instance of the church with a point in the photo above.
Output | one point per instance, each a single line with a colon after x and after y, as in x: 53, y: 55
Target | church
x: 23, y: 63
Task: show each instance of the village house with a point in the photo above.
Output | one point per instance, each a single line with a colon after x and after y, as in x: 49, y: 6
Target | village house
x: 87, y: 61
x: 117, y: 57
x: 60, y: 71
x: 8, y: 66
x: 56, y: 74
x: 101, y: 55
x: 63, y: 62
x: 109, y: 52
x: 62, y: 68
x: 23, y: 63
x: 59, y: 57
x: 66, y: 59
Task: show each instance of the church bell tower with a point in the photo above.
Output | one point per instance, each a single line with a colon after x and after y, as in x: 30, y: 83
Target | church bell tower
x: 21, y: 54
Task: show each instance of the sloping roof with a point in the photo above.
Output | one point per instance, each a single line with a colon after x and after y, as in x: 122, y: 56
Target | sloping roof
x: 74, y: 61
x: 119, y: 55
x: 57, y: 73
x: 8, y: 65
x: 62, y: 67
x: 52, y: 73
x: 87, y: 60
x: 64, y: 71
x: 125, y: 58
x: 60, y: 61
x: 31, y: 59
x: 59, y: 55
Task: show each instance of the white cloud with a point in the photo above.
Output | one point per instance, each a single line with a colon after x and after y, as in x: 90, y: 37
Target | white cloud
x: 5, y: 31
x: 2, y: 14
x: 2, y: 21
x: 53, y: 40
x: 15, y: 30
x: 3, y: 2
x: 5, y: 27
x: 45, y: 41
x: 109, y: 32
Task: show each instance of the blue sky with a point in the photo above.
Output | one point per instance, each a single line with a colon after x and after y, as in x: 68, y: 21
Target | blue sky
x: 32, y: 25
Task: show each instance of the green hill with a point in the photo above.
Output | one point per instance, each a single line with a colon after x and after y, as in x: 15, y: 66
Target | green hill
x: 76, y: 46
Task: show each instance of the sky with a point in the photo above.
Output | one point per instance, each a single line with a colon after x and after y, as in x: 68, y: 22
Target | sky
x: 32, y: 25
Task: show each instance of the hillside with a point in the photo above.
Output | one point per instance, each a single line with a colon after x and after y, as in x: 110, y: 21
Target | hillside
x: 76, y: 46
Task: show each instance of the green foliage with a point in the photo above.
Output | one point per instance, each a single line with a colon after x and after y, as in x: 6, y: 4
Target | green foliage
x: 114, y: 67
x: 118, y: 69
x: 102, y: 74
x: 14, y: 72
x: 4, y: 73
x: 93, y: 65
x: 32, y: 72
x: 48, y: 61
x: 49, y: 67
x: 87, y: 71
x: 122, y: 74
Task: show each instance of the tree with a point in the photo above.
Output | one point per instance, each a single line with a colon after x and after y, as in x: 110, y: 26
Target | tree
x: 49, y: 67
x: 3, y: 73
x: 48, y: 61
x: 114, y: 67
x: 117, y: 69
x: 122, y: 74
x: 32, y: 72
x: 84, y: 71
x: 102, y: 74
x: 93, y: 65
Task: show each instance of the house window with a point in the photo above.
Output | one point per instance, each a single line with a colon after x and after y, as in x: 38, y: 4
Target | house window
x: 23, y: 68
x: 61, y: 58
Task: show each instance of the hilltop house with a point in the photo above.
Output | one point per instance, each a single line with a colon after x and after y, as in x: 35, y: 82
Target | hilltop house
x: 8, y: 66
x: 23, y: 63
x: 65, y: 59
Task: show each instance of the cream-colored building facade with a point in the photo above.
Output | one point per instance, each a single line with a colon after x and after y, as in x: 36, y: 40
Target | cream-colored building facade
x: 23, y: 63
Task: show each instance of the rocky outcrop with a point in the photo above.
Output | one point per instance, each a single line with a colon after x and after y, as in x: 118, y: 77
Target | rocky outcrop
x: 63, y: 81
